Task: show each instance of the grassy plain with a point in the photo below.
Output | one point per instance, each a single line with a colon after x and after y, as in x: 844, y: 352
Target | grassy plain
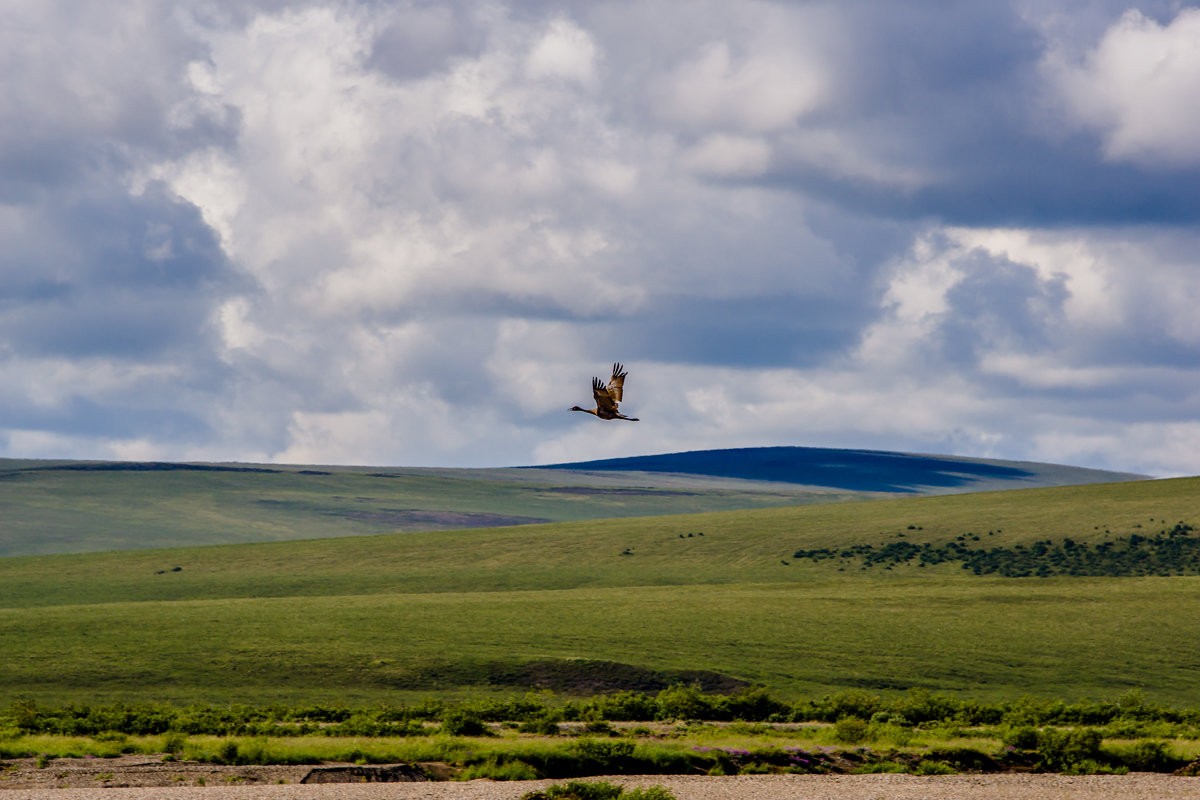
x: 57, y: 507
x: 392, y: 618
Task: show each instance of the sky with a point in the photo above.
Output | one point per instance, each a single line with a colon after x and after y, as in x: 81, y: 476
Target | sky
x: 410, y: 233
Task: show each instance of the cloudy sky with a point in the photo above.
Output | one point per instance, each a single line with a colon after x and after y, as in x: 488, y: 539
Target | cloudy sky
x: 409, y: 233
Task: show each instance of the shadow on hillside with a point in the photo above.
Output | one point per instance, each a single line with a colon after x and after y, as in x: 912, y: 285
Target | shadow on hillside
x: 854, y: 470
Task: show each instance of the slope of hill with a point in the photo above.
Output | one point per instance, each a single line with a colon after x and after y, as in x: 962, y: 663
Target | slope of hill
x: 74, y: 506
x: 62, y: 507
x: 747, y: 595
x: 856, y: 470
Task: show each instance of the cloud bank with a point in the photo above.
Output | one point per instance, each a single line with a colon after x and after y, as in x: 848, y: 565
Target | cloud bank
x: 410, y: 233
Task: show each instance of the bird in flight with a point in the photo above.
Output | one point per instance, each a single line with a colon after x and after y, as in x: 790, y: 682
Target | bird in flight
x: 607, y: 397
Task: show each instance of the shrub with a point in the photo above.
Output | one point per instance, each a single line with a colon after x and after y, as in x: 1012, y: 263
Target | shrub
x: 543, y: 726
x: 576, y: 790
x: 498, y: 770
x: 891, y: 733
x: 684, y: 702
x: 927, y: 767
x: 1022, y: 738
x: 878, y: 767
x: 848, y: 704
x: 1149, y: 757
x: 624, y: 706
x: 962, y: 759
x: 227, y: 753
x: 850, y: 730
x: 173, y: 743
x: 648, y: 793
x: 462, y: 723
x: 1061, y: 751
x: 597, y: 790
x: 1090, y: 766
x: 24, y: 714
x: 600, y: 727
x: 603, y: 754
x: 753, y: 705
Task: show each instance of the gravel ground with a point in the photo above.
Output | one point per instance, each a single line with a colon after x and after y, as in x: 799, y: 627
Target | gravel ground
x: 743, y: 787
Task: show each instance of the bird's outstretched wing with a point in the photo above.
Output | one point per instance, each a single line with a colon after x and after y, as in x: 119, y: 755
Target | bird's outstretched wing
x: 604, y: 400
x: 616, y: 384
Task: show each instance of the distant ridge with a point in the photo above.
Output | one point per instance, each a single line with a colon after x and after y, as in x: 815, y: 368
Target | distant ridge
x: 856, y: 470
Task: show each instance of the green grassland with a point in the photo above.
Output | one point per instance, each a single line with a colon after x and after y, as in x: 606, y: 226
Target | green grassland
x: 392, y: 618
x: 56, y: 507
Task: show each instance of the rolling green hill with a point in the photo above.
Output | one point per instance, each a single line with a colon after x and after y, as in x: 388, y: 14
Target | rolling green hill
x: 736, y: 594
x: 76, y: 506
x: 85, y: 506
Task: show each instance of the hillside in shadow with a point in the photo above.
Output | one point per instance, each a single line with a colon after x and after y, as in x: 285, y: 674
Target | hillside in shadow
x: 855, y: 470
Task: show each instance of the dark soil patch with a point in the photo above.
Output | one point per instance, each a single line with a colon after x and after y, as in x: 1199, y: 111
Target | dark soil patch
x: 415, y: 517
x: 593, y: 677
x: 617, y: 491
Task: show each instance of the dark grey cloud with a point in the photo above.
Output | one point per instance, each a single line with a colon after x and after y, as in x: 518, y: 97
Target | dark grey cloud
x: 795, y: 331
x: 129, y: 277
x: 1000, y: 305
x: 425, y: 37
x: 958, y: 93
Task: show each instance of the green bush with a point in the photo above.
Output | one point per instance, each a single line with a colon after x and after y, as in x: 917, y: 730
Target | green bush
x: 173, y: 743
x: 603, y: 754
x: 462, y: 723
x: 962, y: 759
x: 1062, y: 751
x: 542, y: 726
x: 648, y: 793
x: 891, y: 733
x: 597, y: 790
x: 623, y: 706
x: 576, y: 790
x: 927, y: 767
x: 1023, y: 737
x: 1148, y: 756
x: 752, y: 705
x: 878, y: 767
x: 227, y: 753
x: 499, y: 770
x: 847, y: 704
x: 850, y: 730
x: 684, y: 702
x: 1090, y: 766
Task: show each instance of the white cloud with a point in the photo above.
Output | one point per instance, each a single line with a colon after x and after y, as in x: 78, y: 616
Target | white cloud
x: 1137, y: 87
x: 725, y: 156
x: 565, y: 52
x: 758, y: 92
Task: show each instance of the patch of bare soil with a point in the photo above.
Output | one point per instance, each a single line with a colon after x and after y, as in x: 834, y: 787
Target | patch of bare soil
x: 588, y: 677
x: 417, y: 517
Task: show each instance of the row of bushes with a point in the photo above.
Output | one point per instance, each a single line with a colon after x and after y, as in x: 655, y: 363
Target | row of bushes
x: 1073, y: 751
x: 1173, y: 551
x: 915, y: 709
x: 863, y: 747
